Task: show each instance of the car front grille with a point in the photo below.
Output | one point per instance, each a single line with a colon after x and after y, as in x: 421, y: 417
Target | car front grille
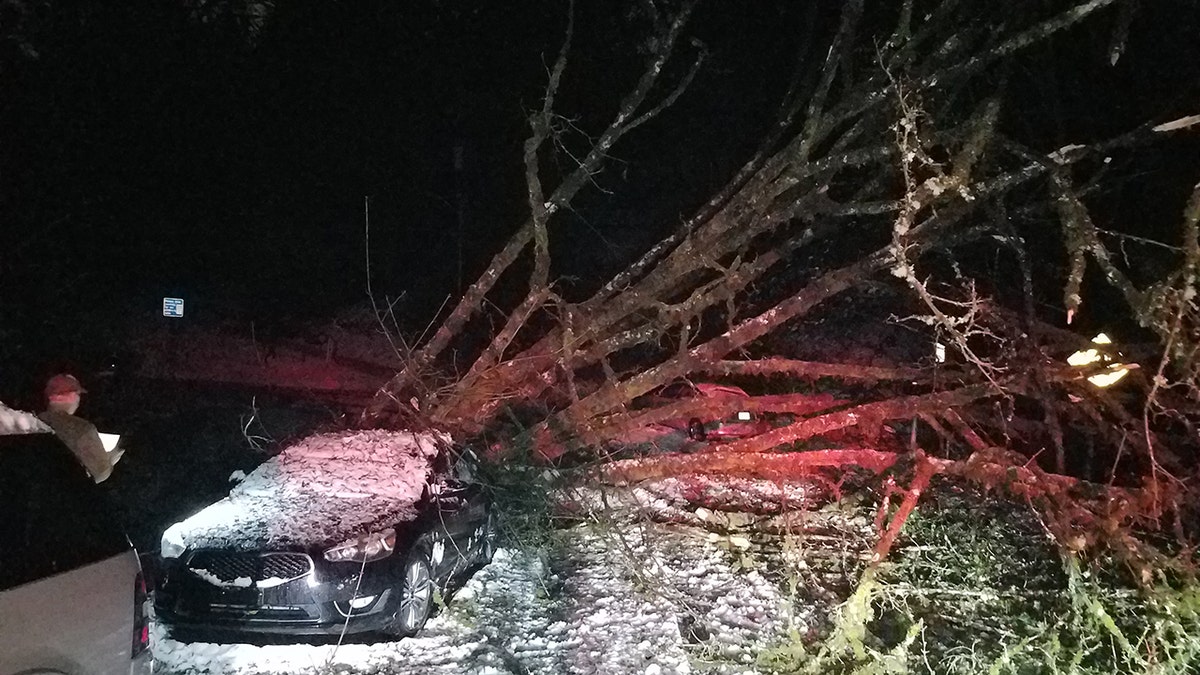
x: 242, y: 614
x: 229, y: 566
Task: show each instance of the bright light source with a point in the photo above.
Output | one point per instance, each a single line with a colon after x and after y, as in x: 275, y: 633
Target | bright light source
x: 1089, y: 356
x: 359, y: 603
x: 744, y: 416
x: 110, y: 441
x: 1086, y: 357
x: 1083, y: 358
x: 1111, y: 376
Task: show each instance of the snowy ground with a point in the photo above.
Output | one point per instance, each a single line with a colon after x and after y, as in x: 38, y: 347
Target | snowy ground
x: 653, y: 599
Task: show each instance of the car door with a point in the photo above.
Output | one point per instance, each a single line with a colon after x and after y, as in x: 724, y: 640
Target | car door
x: 459, y: 508
x: 449, y: 551
x: 69, y: 579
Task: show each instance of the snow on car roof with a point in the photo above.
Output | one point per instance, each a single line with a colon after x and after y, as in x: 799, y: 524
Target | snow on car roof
x: 19, y: 422
x: 321, y: 490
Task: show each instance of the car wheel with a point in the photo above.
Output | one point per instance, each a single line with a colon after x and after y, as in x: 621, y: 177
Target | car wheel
x: 490, y: 534
x: 416, y: 596
x: 695, y: 430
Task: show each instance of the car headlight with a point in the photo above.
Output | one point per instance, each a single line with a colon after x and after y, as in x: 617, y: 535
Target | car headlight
x: 367, y: 548
x: 173, y: 545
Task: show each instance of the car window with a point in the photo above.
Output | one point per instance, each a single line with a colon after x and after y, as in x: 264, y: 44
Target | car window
x: 55, y: 518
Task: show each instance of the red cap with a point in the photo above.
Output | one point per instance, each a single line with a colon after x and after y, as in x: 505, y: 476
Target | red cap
x: 62, y: 385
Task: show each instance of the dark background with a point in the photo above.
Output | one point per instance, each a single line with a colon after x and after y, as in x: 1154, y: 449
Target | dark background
x: 145, y: 153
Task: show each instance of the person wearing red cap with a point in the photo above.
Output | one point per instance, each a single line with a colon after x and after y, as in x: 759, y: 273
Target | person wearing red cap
x: 63, y: 393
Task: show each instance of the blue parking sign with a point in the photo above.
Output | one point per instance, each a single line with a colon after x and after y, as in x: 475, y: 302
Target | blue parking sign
x: 173, y: 307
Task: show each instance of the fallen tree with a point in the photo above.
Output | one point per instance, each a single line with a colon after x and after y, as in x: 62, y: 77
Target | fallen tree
x: 892, y: 166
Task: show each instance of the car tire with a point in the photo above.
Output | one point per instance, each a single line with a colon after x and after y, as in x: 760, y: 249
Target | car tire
x: 695, y: 430
x: 416, y: 589
x: 490, y: 534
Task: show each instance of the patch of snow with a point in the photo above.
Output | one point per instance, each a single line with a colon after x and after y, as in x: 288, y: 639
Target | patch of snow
x: 635, y: 599
x: 736, y: 493
x: 240, y: 582
x: 20, y: 422
x: 674, y: 498
x: 319, y: 491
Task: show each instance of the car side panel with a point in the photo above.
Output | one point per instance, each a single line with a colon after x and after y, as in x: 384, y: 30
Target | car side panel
x: 455, y: 520
x: 77, y: 622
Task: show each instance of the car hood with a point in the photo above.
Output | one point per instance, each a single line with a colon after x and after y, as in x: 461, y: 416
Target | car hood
x: 319, y: 492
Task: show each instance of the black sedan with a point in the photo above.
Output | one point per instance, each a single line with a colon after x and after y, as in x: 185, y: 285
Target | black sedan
x: 316, y: 543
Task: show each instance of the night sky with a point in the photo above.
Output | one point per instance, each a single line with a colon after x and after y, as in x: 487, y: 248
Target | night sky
x: 145, y: 153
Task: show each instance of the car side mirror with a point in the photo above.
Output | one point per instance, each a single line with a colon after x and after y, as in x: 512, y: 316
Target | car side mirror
x: 446, y: 492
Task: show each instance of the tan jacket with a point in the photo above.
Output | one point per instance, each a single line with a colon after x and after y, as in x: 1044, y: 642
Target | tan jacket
x: 82, y: 438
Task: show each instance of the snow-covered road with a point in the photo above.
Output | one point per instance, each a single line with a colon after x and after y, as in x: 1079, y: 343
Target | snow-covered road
x: 645, y: 598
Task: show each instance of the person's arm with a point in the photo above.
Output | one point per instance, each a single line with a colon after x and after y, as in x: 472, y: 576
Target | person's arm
x: 84, y: 441
x: 91, y: 453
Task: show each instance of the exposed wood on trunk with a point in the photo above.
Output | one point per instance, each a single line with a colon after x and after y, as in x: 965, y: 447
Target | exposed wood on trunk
x: 771, y: 466
x: 924, y: 471
x: 813, y: 370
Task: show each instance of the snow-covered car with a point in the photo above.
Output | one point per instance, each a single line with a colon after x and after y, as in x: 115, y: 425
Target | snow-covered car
x: 740, y: 422
x: 349, y: 531
x: 72, y: 595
